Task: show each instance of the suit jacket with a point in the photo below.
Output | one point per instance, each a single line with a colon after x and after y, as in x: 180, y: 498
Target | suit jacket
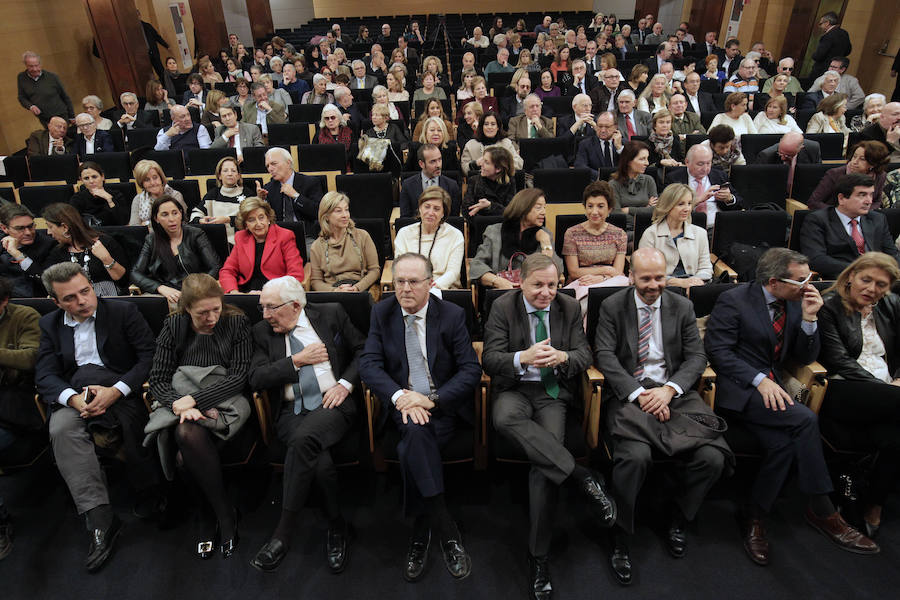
x: 652, y: 65
x: 508, y: 107
x: 383, y: 365
x: 370, y: 81
x: 810, y: 154
x: 38, y: 143
x: 570, y: 90
x: 411, y: 189
x: 186, y: 97
x: 811, y: 100
x: 689, y: 123
x: 616, y: 342
x: 518, y: 127
x: 27, y: 284
x: 706, y: 102
x: 740, y: 343
x: 830, y: 248
x: 142, y: 121
x: 508, y: 330
x: 641, y: 123
x: 716, y: 177
x: 272, y: 367
x: 842, y: 339
x: 103, y: 142
x: 355, y: 117
x: 589, y: 154
x: 276, y: 115
x: 691, y: 249
x: 835, y: 42
x: 280, y: 257
x: 250, y: 136
x: 124, y: 341
x: 600, y: 96
x: 306, y: 206
x: 733, y: 65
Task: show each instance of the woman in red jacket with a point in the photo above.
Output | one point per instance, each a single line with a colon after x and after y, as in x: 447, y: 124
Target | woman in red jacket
x: 262, y: 250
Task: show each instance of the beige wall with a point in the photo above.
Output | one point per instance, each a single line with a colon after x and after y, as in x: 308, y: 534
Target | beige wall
x: 58, y: 30
x: 352, y: 8
x: 870, y: 25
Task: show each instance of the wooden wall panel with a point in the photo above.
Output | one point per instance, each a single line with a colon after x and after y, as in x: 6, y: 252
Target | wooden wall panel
x: 260, y: 13
x: 209, y: 21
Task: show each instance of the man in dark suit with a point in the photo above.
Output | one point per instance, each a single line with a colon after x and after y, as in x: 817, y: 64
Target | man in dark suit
x: 361, y: 81
x: 834, y: 42
x: 343, y: 97
x: 655, y: 62
x: 603, y: 148
x: 706, y: 181
x: 90, y: 140
x: 630, y: 120
x: 196, y: 93
x: 604, y: 97
x: 533, y: 380
x: 792, y: 148
x: 698, y: 102
x: 514, y: 105
x: 419, y: 362
x: 591, y: 58
x: 577, y: 126
x: 622, y: 47
x: 430, y: 163
x: 811, y: 99
x: 709, y: 44
x: 293, y: 196
x: 730, y: 57
x: 94, y: 356
x: 130, y: 117
x: 581, y: 82
x: 411, y: 54
x: 24, y: 251
x: 152, y: 37
x: 649, y: 349
x: 835, y: 236
x: 305, y: 357
x: 50, y: 141
x: 754, y: 330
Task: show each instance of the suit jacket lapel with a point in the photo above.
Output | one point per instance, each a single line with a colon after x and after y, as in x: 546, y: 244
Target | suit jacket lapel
x: 837, y: 227
x: 669, y: 335
x: 867, y: 227
x: 758, y: 299
x: 432, y: 332
x: 100, y: 330
x: 631, y: 325
x: 559, y: 334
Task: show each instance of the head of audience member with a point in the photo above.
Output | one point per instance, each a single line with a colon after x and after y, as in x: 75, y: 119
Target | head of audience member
x: 599, y: 200
x: 657, y: 28
x: 490, y: 128
x: 830, y: 81
x: 412, y: 281
x: 149, y: 176
x: 260, y: 94
x: 215, y: 99
x: 228, y: 116
x: 736, y: 104
x: 748, y: 68
x: 698, y: 161
x: 17, y: 222
x: 430, y: 160
x: 710, y: 37
x: 332, y: 119
x: 433, y: 108
x: 203, y: 299
x: 668, y: 71
x: 228, y: 173
x: 503, y: 56
x: 605, y: 125
x: 281, y: 300
x: 129, y: 103
x: 57, y: 127
x: 32, y: 62
x: 92, y: 105
x: 833, y: 106
x: 692, y: 83
x: 468, y: 61
x: 579, y: 69
x: 827, y: 21
x: 67, y: 227
x: 343, y: 97
x: 524, y: 59
x: 434, y: 131
x: 86, y: 125
x: 776, y: 109
x: 255, y: 73
x: 780, y: 83
x: 532, y: 104
x: 854, y: 194
x: 784, y: 273
x: 523, y: 88
x: 70, y: 290
x: 786, y: 66
x: 181, y: 118
x: 581, y: 106
x: 674, y: 205
x: 334, y: 215
x: 633, y: 161
x: 472, y: 112
x: 625, y: 102
x: 497, y: 164
x: 386, y: 31
x: 677, y: 105
x: 434, y: 206
x: 642, y: 23
x: 255, y: 215
x: 790, y: 145
x: 869, y: 157
x: 166, y: 220
x: 611, y: 78
x: 320, y: 84
x: 546, y: 80
x: 663, y: 51
x: 872, y: 106
x: 279, y: 164
x: 721, y: 139
x: 195, y: 83
x: 540, y: 278
x: 91, y: 175
x: 661, y: 123
x: 648, y: 274
x: 732, y: 48
x: 865, y: 281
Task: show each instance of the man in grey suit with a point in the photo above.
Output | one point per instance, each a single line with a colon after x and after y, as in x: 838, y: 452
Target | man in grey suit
x: 630, y: 120
x: 535, y: 351
x: 649, y: 349
x: 260, y: 111
x: 531, y: 123
x: 361, y: 81
x: 232, y: 134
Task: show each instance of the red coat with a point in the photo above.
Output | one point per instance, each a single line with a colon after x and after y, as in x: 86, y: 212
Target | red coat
x: 280, y: 257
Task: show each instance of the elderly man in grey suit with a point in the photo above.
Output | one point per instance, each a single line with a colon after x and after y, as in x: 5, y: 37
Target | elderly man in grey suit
x: 233, y: 134
x: 535, y: 351
x: 649, y: 349
x: 262, y: 111
x: 531, y: 123
x: 630, y: 120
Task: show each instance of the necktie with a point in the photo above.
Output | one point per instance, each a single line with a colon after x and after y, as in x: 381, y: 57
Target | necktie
x: 607, y: 158
x: 231, y: 142
x: 778, y: 320
x: 532, y: 131
x: 701, y: 203
x: 548, y: 378
x: 307, y: 395
x: 645, y: 330
x: 419, y: 379
x: 287, y: 207
x: 630, y: 126
x: 856, y: 234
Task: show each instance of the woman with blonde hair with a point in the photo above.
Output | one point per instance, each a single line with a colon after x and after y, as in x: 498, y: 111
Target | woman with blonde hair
x: 830, y: 117
x: 434, y: 238
x: 466, y: 85
x: 655, y: 96
x: 434, y: 131
x: 210, y: 118
x: 149, y: 176
x: 396, y: 82
x: 775, y: 118
x: 208, y: 72
x: 526, y: 62
x: 343, y: 258
x: 433, y: 108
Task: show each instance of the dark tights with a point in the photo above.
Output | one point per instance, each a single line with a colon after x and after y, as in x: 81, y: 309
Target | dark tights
x: 200, y: 459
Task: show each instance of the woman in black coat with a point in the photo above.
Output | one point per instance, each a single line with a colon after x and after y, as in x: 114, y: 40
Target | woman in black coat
x: 861, y: 350
x: 489, y: 192
x: 99, y: 204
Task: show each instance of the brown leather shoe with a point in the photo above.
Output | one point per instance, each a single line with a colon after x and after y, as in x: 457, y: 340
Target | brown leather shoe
x: 755, y: 541
x: 836, y: 529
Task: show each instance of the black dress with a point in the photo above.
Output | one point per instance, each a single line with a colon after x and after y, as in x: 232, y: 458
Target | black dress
x: 88, y: 204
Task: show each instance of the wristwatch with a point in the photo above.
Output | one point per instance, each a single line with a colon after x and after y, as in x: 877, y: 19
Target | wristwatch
x: 435, y: 397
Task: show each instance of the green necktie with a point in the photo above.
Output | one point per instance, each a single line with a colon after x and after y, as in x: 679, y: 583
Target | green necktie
x: 532, y: 131
x: 548, y: 378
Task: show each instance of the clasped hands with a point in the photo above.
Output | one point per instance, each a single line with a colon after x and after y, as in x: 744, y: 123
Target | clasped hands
x: 100, y: 398
x: 542, y: 355
x: 656, y: 402
x: 415, y: 406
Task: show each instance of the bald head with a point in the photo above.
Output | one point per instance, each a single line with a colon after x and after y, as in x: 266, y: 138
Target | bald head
x: 643, y: 259
x: 890, y: 115
x: 790, y: 144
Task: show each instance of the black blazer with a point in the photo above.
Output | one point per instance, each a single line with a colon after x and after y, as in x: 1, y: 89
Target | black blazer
x: 830, y: 248
x: 383, y: 365
x: 306, y: 205
x: 124, y: 341
x: 27, y: 284
x: 195, y: 255
x: 716, y: 177
x: 810, y: 154
x: 600, y: 97
x: 811, y: 100
x: 842, y: 339
x: 508, y: 330
x: 832, y: 43
x: 411, y: 189
x: 272, y: 368
x: 570, y: 90
x: 706, y: 102
x: 103, y: 142
x: 616, y: 341
x: 142, y: 120
x: 589, y: 154
x: 740, y: 343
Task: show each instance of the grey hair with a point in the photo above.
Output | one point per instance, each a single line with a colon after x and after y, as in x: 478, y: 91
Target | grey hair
x: 124, y: 94
x: 319, y: 77
x: 775, y: 264
x: 289, y: 289
x: 357, y: 62
x: 627, y: 94
x: 276, y: 59
x: 785, y: 59
x: 536, y: 262
x: 341, y: 91
x: 533, y: 97
x: 871, y: 97
x: 59, y: 273
x: 84, y: 114
x: 92, y: 99
x: 281, y: 152
x: 429, y: 269
x: 378, y: 89
x: 29, y: 54
x: 331, y: 108
x: 581, y: 98
x: 833, y: 73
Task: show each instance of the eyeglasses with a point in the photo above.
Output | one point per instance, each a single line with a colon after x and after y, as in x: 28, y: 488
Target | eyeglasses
x: 787, y: 68
x: 329, y: 117
x: 413, y: 283
x: 797, y: 283
x: 22, y: 227
x: 267, y: 307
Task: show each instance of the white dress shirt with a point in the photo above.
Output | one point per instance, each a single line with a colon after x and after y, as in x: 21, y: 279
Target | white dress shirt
x: 306, y: 335
x: 530, y: 372
x: 84, y: 337
x: 89, y: 144
x: 694, y: 102
x: 655, y: 365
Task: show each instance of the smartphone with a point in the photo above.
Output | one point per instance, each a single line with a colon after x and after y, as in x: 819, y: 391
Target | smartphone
x: 88, y: 395
x: 724, y: 184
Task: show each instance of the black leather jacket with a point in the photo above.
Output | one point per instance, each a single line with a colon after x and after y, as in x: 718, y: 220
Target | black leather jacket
x: 842, y: 339
x: 195, y: 255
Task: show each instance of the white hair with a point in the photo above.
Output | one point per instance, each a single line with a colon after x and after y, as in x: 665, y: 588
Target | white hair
x: 123, y: 95
x: 356, y: 62
x: 91, y: 99
x: 84, y: 114
x: 289, y: 289
x: 831, y: 74
x: 275, y: 59
x: 29, y: 54
x: 319, y: 77
x: 579, y: 98
x: 331, y: 108
x: 627, y: 94
x: 871, y: 98
x: 695, y: 149
x: 280, y: 152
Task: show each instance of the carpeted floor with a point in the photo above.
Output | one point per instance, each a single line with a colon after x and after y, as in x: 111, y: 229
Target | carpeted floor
x: 51, y: 543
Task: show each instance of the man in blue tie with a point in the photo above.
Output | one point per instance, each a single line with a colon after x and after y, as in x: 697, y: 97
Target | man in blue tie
x: 305, y: 358
x: 419, y: 362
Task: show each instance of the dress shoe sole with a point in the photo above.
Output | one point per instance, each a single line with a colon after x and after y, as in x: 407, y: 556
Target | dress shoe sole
x: 839, y: 545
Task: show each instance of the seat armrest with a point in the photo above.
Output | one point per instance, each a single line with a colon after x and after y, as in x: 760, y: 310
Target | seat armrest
x: 706, y: 386
x: 593, y: 382
x: 815, y: 377
x: 720, y: 267
x: 371, y: 415
x: 261, y: 403
x: 792, y: 205
x: 387, y: 276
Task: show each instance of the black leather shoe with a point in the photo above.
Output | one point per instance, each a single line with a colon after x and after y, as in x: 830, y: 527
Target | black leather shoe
x: 539, y: 585
x: 102, y: 542
x: 620, y: 561
x: 456, y: 558
x: 337, y: 548
x: 6, y: 538
x: 676, y: 538
x: 269, y: 556
x: 151, y: 504
x: 417, y: 556
x: 229, y: 545
x: 604, y: 507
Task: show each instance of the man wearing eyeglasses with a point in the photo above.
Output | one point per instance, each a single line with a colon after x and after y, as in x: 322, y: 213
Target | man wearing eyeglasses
x: 24, y: 251
x: 90, y: 140
x: 419, y: 362
x: 754, y: 330
x: 305, y: 357
x: 785, y: 67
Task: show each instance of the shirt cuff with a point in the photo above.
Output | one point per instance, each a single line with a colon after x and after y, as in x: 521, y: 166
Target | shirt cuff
x: 122, y: 387
x: 758, y: 379
x: 26, y: 263
x: 396, y: 397
x: 633, y: 395
x: 808, y: 327
x: 676, y: 387
x: 65, y: 395
x: 517, y: 363
x: 346, y: 384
